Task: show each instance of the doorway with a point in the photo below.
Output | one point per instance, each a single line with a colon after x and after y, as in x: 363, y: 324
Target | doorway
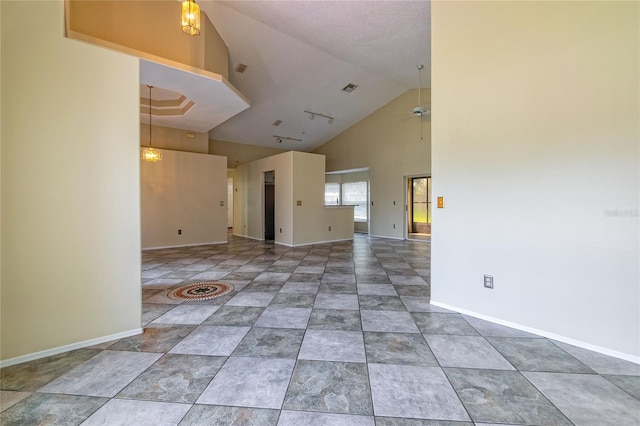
x: 418, y: 207
x: 230, y: 204
x: 270, y: 205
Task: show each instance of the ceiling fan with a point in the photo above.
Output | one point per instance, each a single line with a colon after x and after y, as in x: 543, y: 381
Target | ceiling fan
x: 420, y: 110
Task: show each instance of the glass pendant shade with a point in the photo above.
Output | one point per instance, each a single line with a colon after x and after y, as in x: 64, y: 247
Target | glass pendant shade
x: 151, y: 155
x: 190, y: 17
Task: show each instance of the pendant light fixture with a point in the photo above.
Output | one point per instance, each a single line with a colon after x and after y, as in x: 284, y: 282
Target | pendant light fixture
x: 150, y: 154
x: 190, y: 17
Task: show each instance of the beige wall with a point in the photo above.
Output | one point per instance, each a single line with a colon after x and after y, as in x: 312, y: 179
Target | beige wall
x: 174, y: 139
x: 312, y: 220
x: 152, y: 27
x: 299, y: 176
x: 388, y: 142
x: 248, y: 208
x: 535, y: 149
x: 216, y: 52
x: 70, y: 187
x: 238, y: 153
x: 183, y: 191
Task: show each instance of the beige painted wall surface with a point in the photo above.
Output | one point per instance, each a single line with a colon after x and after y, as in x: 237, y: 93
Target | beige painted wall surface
x: 174, y: 139
x: 70, y: 186
x: 1, y: 182
x: 248, y: 206
x: 535, y: 149
x: 311, y: 220
x: 238, y: 153
x: 216, y: 53
x: 183, y: 191
x: 152, y: 27
x: 388, y: 142
x: 298, y: 176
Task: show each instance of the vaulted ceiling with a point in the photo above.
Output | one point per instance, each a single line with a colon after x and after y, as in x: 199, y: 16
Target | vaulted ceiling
x: 300, y: 54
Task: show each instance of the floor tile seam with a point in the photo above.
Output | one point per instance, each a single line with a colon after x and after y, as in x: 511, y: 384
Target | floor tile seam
x: 580, y: 361
x: 107, y: 400
x: 442, y: 369
x: 540, y: 371
x: 614, y: 384
x: 547, y: 398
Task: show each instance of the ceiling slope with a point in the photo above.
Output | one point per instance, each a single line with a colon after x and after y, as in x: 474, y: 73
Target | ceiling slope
x: 300, y: 54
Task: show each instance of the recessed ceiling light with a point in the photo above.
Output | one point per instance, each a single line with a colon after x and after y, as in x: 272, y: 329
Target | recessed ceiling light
x: 277, y: 122
x: 241, y: 68
x: 349, y: 87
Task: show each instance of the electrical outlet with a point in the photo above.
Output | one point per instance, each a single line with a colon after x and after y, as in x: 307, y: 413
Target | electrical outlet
x: 221, y: 203
x: 281, y: 230
x: 488, y: 281
x: 179, y: 231
x: 394, y: 226
x: 329, y: 228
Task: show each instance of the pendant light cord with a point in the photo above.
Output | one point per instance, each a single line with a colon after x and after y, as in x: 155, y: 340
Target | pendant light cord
x: 149, y: 86
x: 419, y: 84
x: 420, y: 94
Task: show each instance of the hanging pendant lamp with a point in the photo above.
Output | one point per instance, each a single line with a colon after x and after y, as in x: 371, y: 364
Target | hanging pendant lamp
x: 150, y: 154
x: 190, y: 17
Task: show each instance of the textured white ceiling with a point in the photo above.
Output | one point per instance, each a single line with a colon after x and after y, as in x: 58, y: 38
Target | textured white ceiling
x: 300, y: 54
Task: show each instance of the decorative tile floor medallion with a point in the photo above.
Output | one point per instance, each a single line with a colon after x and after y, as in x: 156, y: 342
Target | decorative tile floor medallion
x: 201, y: 291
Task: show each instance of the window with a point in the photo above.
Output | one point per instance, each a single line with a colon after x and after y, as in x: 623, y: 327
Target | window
x: 355, y: 193
x: 331, y: 194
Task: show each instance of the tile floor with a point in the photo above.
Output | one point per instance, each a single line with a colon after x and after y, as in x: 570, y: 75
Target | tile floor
x: 331, y: 334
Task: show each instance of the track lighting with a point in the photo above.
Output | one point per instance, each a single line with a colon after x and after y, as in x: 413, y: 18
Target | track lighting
x: 279, y: 139
x: 313, y: 115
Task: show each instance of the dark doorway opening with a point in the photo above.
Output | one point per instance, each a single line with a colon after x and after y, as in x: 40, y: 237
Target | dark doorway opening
x: 270, y: 205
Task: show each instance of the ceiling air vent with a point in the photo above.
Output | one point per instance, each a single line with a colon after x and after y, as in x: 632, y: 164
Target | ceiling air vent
x: 241, y: 68
x: 349, y: 87
x: 277, y: 122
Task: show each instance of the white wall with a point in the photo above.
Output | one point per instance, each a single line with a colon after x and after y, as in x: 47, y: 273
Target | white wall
x: 184, y: 192
x: 70, y: 186
x: 534, y: 145
x: 388, y: 142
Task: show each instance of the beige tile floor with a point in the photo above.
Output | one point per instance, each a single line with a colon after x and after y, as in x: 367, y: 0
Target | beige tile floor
x: 330, y: 334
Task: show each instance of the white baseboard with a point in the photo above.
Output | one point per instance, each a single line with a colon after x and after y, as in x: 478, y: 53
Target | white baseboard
x: 387, y: 237
x: 185, y: 245
x: 563, y: 339
x: 248, y: 236
x: 67, y: 348
x: 315, y: 242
